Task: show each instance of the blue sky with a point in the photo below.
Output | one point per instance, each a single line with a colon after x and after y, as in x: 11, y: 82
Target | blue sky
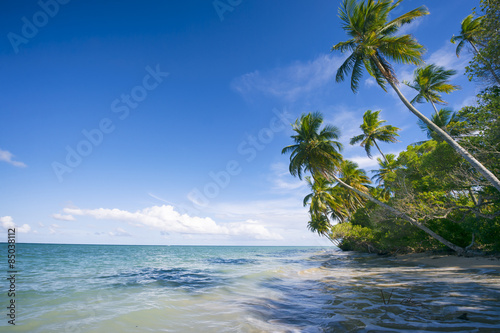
x: 162, y: 122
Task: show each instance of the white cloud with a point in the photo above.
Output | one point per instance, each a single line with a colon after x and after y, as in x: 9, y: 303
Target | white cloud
x: 467, y: 101
x: 446, y: 57
x: 23, y: 229
x: 119, y: 232
x: 364, y: 162
x: 53, y: 228
x: 411, y: 27
x: 62, y: 217
x: 370, y: 82
x: 8, y: 223
x: 281, y: 179
x: 166, y: 219
x: 369, y: 164
x: 292, y: 82
x: 7, y: 156
x: 281, y: 213
x: 347, y: 121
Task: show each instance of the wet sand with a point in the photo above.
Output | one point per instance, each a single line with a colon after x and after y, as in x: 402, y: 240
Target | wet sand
x: 451, y: 261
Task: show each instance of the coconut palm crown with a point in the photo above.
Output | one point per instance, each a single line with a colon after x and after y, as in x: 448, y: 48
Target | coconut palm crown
x: 373, y: 42
x: 314, y: 150
x: 444, y: 118
x: 372, y: 131
x: 471, y: 29
x: 429, y: 81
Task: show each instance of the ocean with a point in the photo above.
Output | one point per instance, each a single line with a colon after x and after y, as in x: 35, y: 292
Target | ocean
x: 113, y: 288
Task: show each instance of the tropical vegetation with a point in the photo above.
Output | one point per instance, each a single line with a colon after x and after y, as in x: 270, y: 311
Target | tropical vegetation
x: 373, y: 43
x: 372, y: 131
x: 442, y: 193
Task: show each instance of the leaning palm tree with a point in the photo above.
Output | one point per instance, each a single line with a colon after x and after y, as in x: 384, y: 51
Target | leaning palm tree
x: 321, y: 225
x: 350, y: 174
x: 444, y: 118
x: 372, y: 131
x: 314, y: 144
x: 471, y: 32
x: 373, y: 43
x: 322, y: 197
x: 385, y: 174
x: 315, y: 151
x: 324, y: 200
x: 430, y: 81
x: 386, y: 170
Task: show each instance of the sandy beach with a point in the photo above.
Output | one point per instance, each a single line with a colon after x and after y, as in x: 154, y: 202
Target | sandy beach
x: 451, y: 261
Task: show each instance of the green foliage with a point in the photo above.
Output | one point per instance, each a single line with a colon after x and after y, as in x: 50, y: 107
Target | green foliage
x: 483, y: 36
x: 435, y: 197
x: 354, y: 237
x: 429, y: 82
x: 373, y: 40
x: 481, y: 128
x: 432, y: 183
x: 315, y: 150
x: 373, y: 131
x: 444, y: 119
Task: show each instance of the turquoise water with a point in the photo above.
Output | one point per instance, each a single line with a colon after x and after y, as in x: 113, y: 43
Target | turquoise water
x: 104, y: 288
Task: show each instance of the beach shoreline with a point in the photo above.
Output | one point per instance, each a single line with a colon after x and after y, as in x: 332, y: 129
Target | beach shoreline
x: 490, y: 262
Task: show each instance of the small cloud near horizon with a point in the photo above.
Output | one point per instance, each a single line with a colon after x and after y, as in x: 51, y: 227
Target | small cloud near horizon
x: 8, y: 223
x: 62, y: 217
x: 6, y: 156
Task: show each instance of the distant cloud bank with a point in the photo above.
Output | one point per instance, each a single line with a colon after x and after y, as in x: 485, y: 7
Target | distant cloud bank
x: 166, y: 219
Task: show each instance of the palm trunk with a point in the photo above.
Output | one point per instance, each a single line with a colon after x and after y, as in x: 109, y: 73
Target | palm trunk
x: 434, y: 106
x: 486, y: 63
x: 402, y: 215
x: 376, y: 145
x: 446, y: 137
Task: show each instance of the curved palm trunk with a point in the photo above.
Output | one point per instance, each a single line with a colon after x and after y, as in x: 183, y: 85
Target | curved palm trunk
x: 486, y: 63
x: 376, y: 145
x: 402, y: 215
x: 446, y: 137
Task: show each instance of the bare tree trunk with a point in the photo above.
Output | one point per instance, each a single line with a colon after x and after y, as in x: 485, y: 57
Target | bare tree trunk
x: 445, y: 136
x: 434, y: 106
x: 376, y: 145
x: 402, y: 215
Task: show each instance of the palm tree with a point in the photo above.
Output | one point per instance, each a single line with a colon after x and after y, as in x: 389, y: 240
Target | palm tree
x: 443, y: 118
x: 315, y: 151
x: 373, y: 131
x: 324, y: 200
x: 319, y: 224
x: 386, y: 173
x: 313, y: 144
x: 387, y: 169
x: 471, y: 32
x: 350, y: 174
x: 373, y: 42
x: 429, y: 81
